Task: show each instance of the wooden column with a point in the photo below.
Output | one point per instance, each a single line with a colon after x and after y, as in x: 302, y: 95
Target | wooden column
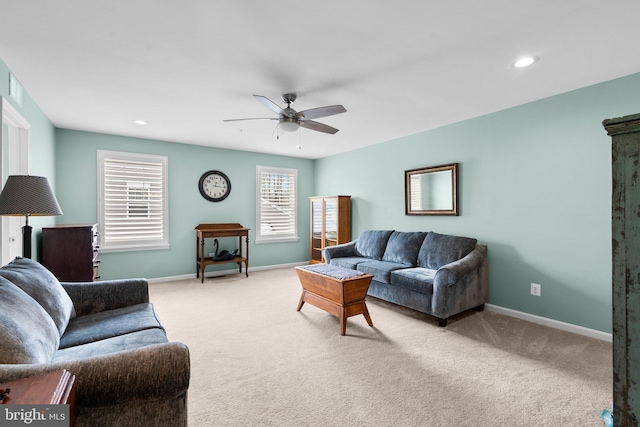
x: 625, y: 134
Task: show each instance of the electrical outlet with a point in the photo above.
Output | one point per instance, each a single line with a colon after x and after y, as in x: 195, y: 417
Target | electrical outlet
x: 535, y: 289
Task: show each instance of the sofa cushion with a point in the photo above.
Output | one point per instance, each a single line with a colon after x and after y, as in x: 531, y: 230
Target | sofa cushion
x: 371, y: 243
x: 110, y: 323
x: 111, y: 345
x: 441, y: 249
x: 417, y: 279
x: 381, y: 270
x: 40, y: 284
x: 403, y: 247
x: 27, y: 332
x: 348, y: 262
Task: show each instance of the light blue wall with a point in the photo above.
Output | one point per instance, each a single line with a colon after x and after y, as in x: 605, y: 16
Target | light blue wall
x: 42, y: 162
x: 535, y: 186
x: 76, y: 191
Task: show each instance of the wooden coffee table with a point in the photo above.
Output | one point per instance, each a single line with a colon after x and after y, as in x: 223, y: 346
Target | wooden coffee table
x: 338, y: 291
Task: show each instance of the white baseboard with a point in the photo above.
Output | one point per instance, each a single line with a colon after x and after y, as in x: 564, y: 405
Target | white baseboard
x: 592, y: 333
x: 224, y: 272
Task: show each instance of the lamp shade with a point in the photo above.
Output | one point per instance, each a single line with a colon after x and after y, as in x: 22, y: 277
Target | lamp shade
x: 28, y: 195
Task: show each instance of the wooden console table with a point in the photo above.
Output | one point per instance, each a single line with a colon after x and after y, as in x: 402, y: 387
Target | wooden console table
x: 207, y: 231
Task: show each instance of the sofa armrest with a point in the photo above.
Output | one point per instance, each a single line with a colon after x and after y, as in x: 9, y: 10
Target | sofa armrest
x: 461, y: 285
x: 451, y: 273
x: 155, y: 372
x: 339, y: 251
x: 94, y: 297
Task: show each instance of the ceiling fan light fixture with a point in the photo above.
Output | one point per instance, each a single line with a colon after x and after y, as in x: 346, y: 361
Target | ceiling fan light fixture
x: 288, y: 124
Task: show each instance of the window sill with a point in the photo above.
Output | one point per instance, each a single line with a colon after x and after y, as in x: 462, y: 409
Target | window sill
x: 259, y: 241
x: 131, y: 248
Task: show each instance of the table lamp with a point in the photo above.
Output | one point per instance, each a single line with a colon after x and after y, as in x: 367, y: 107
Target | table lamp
x: 29, y: 196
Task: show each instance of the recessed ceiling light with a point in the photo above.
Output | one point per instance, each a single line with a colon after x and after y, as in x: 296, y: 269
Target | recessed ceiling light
x: 525, y: 62
x: 140, y: 122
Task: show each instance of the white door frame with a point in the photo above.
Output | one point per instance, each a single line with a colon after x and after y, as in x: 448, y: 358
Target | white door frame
x: 18, y: 144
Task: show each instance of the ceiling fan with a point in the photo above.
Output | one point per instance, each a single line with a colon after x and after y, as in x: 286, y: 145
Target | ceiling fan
x: 289, y: 119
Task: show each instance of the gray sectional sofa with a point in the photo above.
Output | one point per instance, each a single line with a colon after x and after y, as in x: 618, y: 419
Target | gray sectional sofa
x: 437, y: 274
x: 106, y: 333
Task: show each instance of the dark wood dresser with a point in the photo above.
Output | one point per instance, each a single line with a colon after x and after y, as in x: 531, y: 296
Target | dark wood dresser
x: 70, y: 252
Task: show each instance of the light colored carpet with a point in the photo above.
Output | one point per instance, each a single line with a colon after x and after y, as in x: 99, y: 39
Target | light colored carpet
x: 256, y: 361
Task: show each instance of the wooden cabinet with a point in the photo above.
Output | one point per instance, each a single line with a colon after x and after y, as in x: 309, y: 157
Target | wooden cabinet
x: 330, y: 224
x: 70, y: 252
x: 625, y: 219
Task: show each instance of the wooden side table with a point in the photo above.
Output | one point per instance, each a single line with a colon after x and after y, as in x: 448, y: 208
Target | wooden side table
x: 52, y: 388
x: 206, y: 231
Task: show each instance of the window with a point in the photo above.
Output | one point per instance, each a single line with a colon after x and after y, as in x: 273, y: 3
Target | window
x: 132, y: 201
x: 276, y: 190
x: 138, y: 199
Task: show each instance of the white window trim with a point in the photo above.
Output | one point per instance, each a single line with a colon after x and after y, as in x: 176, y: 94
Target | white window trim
x: 137, y: 245
x: 260, y: 238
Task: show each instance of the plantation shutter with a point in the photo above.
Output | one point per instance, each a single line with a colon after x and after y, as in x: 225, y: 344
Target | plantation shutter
x: 277, y: 203
x: 133, y: 200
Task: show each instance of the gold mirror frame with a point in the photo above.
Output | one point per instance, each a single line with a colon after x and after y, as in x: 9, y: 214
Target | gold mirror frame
x: 431, y: 190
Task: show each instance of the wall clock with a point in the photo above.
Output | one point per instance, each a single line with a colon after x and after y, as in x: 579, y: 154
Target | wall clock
x: 214, y: 186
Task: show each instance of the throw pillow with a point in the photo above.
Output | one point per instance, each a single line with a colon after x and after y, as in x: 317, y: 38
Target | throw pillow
x: 40, y: 284
x: 403, y: 247
x: 371, y: 243
x: 441, y: 249
x: 27, y: 332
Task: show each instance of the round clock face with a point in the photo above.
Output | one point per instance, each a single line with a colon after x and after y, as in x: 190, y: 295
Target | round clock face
x: 214, y: 186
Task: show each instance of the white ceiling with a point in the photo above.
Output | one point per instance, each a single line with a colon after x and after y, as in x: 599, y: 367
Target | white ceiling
x: 398, y: 67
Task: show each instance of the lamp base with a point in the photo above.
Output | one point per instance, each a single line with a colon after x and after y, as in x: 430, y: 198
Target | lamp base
x: 26, y: 241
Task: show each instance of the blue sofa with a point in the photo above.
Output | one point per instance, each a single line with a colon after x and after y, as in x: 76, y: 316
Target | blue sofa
x: 437, y: 274
x: 105, y: 333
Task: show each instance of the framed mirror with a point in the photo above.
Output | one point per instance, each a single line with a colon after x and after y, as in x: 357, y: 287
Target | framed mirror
x: 432, y: 190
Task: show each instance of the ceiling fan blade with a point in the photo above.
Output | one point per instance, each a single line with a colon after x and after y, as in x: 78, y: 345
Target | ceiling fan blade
x: 269, y: 104
x: 254, y: 118
x: 320, y: 127
x: 315, y: 113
